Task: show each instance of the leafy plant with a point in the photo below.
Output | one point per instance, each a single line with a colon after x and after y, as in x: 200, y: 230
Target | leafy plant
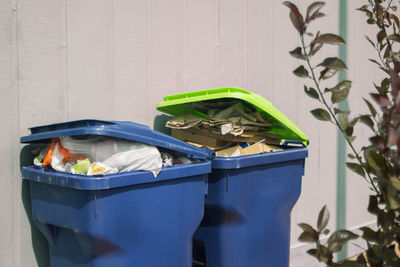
x: 378, y: 162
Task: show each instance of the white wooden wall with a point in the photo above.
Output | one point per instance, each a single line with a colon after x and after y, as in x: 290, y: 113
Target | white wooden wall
x: 115, y: 59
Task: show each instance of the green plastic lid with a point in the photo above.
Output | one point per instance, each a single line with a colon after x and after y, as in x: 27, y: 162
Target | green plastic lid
x: 281, y: 125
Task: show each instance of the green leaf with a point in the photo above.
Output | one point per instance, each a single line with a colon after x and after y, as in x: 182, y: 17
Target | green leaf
x: 351, y: 156
x: 373, y: 205
x: 339, y: 87
x: 349, y: 131
x: 297, y: 53
x: 386, y: 220
x: 301, y: 72
x: 321, y: 114
x: 351, y: 138
x: 343, y: 121
x: 395, y: 182
x: 311, y: 92
x: 369, y: 234
x: 327, y: 73
x: 330, y: 38
x: 348, y: 263
x: 340, y: 91
x: 355, y: 167
x: 325, y: 256
x: 333, y: 63
x: 313, y: 252
x: 375, y: 160
x: 371, y: 108
x: 393, y: 199
x: 339, y: 96
x: 353, y: 122
x: 385, y: 85
x: 367, y: 121
x: 339, y: 238
x: 306, y: 227
x: 323, y: 219
x: 307, y: 237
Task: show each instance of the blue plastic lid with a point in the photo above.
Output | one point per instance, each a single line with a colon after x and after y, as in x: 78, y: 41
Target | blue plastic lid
x: 118, y: 129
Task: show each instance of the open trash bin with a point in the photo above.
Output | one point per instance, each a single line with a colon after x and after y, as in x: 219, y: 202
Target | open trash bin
x: 122, y: 219
x: 250, y: 198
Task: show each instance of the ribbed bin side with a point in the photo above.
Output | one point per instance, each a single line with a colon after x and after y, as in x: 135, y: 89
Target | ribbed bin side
x: 247, y: 215
x: 148, y: 225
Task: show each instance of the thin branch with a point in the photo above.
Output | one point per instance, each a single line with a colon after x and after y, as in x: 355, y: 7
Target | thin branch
x: 333, y: 115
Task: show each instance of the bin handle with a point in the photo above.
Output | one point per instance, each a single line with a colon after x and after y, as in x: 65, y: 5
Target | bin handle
x: 293, y: 143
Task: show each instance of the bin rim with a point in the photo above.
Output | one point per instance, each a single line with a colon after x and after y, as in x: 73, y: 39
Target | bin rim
x: 273, y: 157
x: 117, y: 129
x: 121, y: 179
x: 175, y: 105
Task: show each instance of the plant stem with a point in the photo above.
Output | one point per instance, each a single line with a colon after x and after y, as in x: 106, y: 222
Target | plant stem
x: 333, y: 115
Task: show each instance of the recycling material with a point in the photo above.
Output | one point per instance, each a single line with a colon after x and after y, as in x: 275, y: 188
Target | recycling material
x: 231, y: 128
x: 121, y: 219
x: 103, y: 155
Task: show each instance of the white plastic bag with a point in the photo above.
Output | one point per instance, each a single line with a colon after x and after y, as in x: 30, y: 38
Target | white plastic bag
x: 135, y: 156
x: 108, y: 155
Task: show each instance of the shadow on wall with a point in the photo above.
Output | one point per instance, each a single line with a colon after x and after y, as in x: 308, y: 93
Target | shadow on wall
x: 39, y: 242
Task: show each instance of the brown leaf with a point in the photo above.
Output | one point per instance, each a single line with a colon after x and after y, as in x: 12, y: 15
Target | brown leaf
x: 374, y: 61
x: 371, y: 108
x: 394, y: 37
x: 307, y: 237
x: 381, y: 35
x: 313, y: 11
x: 395, y: 82
x: 364, y: 8
x: 315, y: 48
x: 382, y: 100
x: 330, y: 38
x: 387, y: 52
x: 296, y: 17
x: 370, y: 41
x: 393, y: 137
x: 396, y: 20
x: 323, y: 218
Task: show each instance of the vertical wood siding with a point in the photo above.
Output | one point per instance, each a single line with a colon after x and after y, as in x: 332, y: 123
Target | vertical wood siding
x: 115, y: 59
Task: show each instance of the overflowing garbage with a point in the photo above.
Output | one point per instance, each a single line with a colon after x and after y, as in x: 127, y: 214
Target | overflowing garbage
x: 97, y: 155
x: 229, y: 127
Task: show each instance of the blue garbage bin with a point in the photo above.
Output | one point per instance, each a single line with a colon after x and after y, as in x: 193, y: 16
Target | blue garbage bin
x: 248, y: 206
x: 123, y: 219
x: 247, y: 210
